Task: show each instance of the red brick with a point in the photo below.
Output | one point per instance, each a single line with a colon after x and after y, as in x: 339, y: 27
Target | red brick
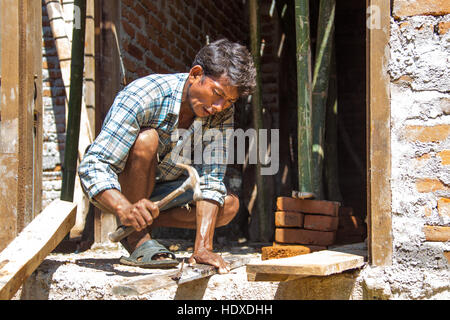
x: 437, y: 233
x: 143, y: 41
x: 444, y: 207
x: 128, y: 28
x: 445, y: 157
x: 320, y: 223
x: 407, y: 8
x: 302, y: 236
x: 135, y: 51
x: 329, y: 208
x: 429, y: 185
x: 311, y: 247
x: 443, y: 27
x: 277, y: 252
x: 288, y: 219
x: 435, y: 133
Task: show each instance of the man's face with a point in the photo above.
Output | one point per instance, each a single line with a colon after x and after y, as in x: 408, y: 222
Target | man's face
x: 208, y: 95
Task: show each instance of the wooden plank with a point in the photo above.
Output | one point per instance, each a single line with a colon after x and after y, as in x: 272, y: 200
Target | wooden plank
x: 378, y: 134
x: 26, y: 252
x: 20, y: 138
x: 146, y: 284
x: 320, y: 263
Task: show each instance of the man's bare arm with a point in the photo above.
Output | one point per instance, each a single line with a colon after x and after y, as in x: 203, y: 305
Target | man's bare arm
x: 206, y: 215
x: 139, y: 215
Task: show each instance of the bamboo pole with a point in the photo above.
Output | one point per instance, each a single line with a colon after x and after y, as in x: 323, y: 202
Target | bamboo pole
x: 255, y: 42
x: 75, y: 101
x: 304, y: 94
x: 331, y: 133
x: 320, y: 84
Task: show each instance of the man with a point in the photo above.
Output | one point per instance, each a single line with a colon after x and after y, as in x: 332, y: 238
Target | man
x: 130, y: 164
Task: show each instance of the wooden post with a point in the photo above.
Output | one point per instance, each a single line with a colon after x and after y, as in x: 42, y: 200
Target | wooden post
x: 107, y: 23
x: 378, y: 136
x: 255, y: 44
x: 303, y: 58
x: 21, y: 116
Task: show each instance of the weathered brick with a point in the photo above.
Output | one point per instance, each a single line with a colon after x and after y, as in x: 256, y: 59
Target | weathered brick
x: 277, y: 252
x: 435, y: 133
x: 288, y: 219
x: 437, y: 233
x: 135, y: 51
x: 302, y: 236
x: 408, y: 8
x: 320, y: 223
x: 429, y: 185
x: 324, y: 207
x: 444, y: 207
x: 128, y: 28
x: 447, y: 256
x: 445, y: 157
x: 443, y: 27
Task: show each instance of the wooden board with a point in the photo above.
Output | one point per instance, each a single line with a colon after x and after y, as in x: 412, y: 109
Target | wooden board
x: 26, y: 252
x: 320, y: 263
x: 163, y: 280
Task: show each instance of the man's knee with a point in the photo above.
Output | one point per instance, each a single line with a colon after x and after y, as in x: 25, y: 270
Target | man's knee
x: 230, y: 209
x: 146, y: 144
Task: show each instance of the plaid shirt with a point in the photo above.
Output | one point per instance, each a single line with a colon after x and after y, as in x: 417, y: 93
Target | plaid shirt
x: 154, y: 102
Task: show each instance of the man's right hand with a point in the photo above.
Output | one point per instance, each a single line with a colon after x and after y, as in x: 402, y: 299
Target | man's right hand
x: 139, y: 215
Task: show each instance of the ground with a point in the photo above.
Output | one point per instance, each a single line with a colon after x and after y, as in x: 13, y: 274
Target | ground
x: 94, y: 273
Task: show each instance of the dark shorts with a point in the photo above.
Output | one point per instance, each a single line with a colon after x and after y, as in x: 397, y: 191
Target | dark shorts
x: 163, y: 188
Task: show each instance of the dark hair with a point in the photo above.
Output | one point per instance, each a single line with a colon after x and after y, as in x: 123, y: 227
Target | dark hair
x: 223, y: 57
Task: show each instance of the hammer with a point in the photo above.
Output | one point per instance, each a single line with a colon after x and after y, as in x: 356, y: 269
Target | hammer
x: 193, y: 182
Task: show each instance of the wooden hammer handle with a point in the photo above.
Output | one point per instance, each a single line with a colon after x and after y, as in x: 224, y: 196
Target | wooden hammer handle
x: 125, y: 231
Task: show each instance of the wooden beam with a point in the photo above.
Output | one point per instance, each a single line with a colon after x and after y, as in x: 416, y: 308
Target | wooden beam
x: 107, y: 86
x: 163, y: 280
x: 378, y: 133
x: 21, y: 116
x: 320, y: 263
x: 257, y: 112
x: 26, y: 252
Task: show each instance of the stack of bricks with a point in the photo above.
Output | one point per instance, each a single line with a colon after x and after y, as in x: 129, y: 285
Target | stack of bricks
x: 312, y: 223
x: 351, y: 228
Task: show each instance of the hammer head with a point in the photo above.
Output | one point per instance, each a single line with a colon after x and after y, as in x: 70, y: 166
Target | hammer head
x: 193, y: 182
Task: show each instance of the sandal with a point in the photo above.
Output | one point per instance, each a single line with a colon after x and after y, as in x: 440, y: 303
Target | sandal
x: 143, y: 256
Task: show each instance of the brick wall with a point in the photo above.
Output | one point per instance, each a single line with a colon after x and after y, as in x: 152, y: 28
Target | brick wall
x: 54, y: 123
x: 164, y: 36
x: 420, y: 138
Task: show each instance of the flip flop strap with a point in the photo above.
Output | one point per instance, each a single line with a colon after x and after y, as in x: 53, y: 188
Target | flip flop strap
x: 149, y: 249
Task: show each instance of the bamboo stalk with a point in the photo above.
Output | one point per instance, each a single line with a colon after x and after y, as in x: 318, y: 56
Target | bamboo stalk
x: 75, y: 101
x: 255, y: 42
x: 320, y: 84
x: 331, y: 133
x: 303, y: 94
